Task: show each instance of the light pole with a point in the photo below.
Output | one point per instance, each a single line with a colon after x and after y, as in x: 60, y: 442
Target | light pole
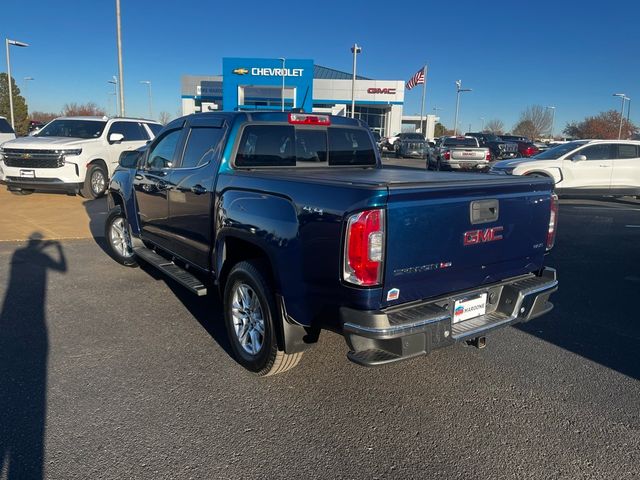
x: 553, y: 118
x: 481, y: 124
x: 282, y: 93
x: 355, y: 50
x: 114, y: 81
x: 148, y: 84
x: 459, y: 90
x: 26, y: 84
x: 120, y: 71
x: 17, y: 44
x: 623, y: 97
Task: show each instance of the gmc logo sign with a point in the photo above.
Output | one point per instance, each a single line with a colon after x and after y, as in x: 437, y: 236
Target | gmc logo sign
x: 473, y: 237
x: 384, y: 91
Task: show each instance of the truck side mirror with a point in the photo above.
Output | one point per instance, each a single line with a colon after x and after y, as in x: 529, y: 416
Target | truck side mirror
x: 579, y: 158
x: 129, y: 159
x: 116, y: 138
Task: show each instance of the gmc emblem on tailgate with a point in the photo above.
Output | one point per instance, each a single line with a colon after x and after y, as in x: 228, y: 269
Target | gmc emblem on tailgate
x: 473, y: 237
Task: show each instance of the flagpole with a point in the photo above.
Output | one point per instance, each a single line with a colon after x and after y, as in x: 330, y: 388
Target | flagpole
x: 423, y: 124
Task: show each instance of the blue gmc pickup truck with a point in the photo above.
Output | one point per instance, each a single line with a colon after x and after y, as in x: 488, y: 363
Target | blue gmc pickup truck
x: 292, y: 217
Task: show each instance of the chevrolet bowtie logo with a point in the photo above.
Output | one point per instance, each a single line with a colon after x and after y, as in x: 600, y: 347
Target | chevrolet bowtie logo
x: 240, y: 71
x: 26, y: 155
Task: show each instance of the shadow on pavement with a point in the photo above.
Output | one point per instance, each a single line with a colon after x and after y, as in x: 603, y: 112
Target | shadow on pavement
x: 595, y: 313
x: 97, y: 213
x: 24, y: 346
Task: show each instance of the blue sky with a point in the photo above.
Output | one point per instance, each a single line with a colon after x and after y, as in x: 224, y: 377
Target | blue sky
x: 573, y: 55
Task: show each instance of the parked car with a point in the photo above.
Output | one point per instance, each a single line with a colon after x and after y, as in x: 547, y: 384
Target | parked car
x: 459, y: 153
x: 292, y: 218
x: 72, y: 154
x: 584, y: 167
x: 526, y: 147
x: 411, y: 145
x: 498, y: 147
x: 6, y: 132
x: 390, y: 142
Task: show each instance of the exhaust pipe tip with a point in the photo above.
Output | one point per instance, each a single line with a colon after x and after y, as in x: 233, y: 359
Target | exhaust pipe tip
x: 478, y: 342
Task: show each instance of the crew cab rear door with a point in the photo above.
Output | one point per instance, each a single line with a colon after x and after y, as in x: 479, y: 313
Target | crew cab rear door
x: 190, y: 191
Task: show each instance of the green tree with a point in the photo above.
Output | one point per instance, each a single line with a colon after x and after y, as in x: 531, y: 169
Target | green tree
x: 20, y: 111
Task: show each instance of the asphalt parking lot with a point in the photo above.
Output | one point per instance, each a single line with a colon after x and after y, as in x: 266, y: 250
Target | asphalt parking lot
x: 110, y: 372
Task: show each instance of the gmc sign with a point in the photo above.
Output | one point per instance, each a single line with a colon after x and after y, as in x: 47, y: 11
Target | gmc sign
x: 473, y: 237
x: 383, y: 91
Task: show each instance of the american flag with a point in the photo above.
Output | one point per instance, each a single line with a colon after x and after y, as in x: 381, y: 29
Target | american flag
x: 417, y: 79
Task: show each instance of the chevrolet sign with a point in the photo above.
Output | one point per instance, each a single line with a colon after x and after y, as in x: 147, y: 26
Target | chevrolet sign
x: 240, y: 71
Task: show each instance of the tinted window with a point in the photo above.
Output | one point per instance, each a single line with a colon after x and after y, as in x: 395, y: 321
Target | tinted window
x: 201, y: 146
x: 155, y: 128
x: 627, y: 151
x: 350, y: 146
x: 266, y: 146
x: 162, y: 153
x: 5, y: 127
x: 311, y: 146
x: 412, y: 136
x: 132, y: 131
x: 73, y: 129
x: 460, y: 142
x: 596, y: 152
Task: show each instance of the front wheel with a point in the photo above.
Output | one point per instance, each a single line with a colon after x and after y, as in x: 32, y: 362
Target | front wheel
x: 116, y: 233
x: 250, y: 316
x: 95, y: 183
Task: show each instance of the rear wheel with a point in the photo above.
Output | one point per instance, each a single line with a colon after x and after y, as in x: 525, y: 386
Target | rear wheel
x: 95, y: 183
x: 250, y: 316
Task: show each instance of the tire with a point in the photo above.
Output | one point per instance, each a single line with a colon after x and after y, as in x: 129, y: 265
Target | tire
x: 22, y: 191
x: 396, y: 148
x: 250, y: 316
x: 118, y: 238
x: 95, y: 182
x: 438, y: 166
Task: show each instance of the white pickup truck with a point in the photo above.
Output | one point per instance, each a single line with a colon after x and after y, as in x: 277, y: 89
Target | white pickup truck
x: 72, y: 154
x: 459, y: 153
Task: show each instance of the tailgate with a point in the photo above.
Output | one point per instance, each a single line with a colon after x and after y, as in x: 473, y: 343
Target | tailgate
x: 426, y: 251
x: 468, y: 153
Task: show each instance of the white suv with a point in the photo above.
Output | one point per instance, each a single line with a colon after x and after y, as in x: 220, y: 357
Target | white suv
x: 584, y: 167
x: 72, y: 154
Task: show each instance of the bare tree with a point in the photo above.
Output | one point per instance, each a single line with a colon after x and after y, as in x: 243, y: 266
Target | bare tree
x: 494, y: 126
x: 536, y: 120
x: 84, y: 109
x: 165, y: 117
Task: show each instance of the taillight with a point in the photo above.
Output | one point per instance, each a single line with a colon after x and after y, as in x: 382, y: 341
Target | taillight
x: 530, y: 151
x: 488, y: 156
x: 304, y: 119
x: 364, y: 248
x: 447, y: 155
x: 553, y: 222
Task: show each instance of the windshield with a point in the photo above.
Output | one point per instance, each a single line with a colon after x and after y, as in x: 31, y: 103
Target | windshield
x: 413, y: 136
x: 556, y: 152
x: 489, y: 137
x: 460, y: 142
x: 73, y: 129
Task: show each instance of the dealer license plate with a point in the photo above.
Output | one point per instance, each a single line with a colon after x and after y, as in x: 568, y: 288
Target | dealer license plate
x: 471, y: 307
x: 28, y: 173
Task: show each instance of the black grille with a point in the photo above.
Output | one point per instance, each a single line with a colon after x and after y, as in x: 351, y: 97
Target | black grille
x: 33, y: 158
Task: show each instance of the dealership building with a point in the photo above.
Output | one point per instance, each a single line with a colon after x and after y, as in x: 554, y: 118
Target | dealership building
x: 258, y: 84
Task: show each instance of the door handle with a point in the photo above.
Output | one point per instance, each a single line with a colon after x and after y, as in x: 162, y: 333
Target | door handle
x: 198, y: 189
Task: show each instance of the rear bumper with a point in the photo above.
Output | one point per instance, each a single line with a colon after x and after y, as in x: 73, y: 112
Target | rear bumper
x: 468, y: 166
x: 405, y: 331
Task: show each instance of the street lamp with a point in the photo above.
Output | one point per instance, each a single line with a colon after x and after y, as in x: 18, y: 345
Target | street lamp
x: 148, y: 84
x: 17, y: 44
x: 114, y: 81
x: 623, y: 97
x: 459, y: 90
x: 282, y: 93
x: 481, y: 124
x: 355, y: 50
x: 553, y: 118
x: 119, y: 45
x: 26, y: 84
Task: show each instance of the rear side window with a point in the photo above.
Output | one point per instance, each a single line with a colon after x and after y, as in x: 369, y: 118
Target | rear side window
x: 627, y: 151
x: 201, y: 146
x: 132, y: 131
x: 155, y: 128
x: 350, y: 146
x: 5, y: 127
x: 266, y: 146
x: 600, y: 151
